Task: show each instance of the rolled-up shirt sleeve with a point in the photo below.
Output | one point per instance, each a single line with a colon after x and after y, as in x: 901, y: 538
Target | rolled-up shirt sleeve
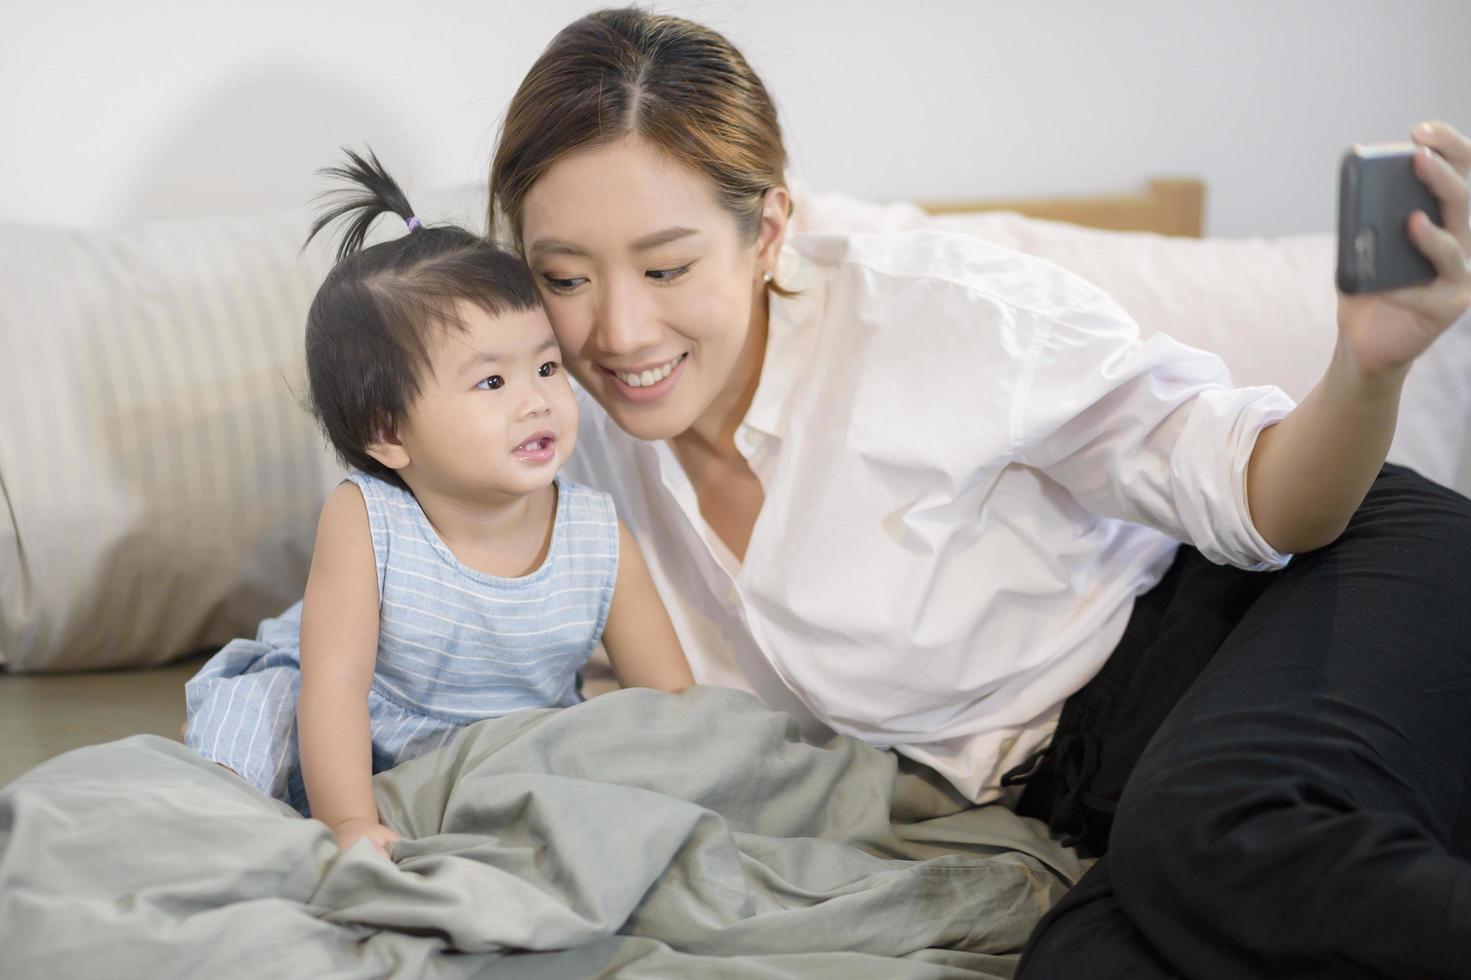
x: 1150, y: 431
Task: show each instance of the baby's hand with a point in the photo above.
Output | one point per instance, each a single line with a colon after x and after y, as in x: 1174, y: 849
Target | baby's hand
x: 350, y: 831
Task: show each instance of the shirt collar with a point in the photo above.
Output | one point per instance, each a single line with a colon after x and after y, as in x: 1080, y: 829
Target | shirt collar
x: 791, y: 333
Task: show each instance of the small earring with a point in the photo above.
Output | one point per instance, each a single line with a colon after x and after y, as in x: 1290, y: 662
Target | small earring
x: 766, y: 278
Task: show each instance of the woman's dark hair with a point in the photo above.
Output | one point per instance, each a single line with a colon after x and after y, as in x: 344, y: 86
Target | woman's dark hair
x: 619, y: 73
x: 366, y: 333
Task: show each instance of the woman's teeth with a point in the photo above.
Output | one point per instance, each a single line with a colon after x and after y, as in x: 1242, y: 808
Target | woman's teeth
x: 649, y: 377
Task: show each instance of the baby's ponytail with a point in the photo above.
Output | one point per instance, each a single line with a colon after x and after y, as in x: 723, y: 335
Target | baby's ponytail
x: 374, y: 193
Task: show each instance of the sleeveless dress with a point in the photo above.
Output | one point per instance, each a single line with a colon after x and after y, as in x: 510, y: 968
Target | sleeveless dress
x: 455, y: 645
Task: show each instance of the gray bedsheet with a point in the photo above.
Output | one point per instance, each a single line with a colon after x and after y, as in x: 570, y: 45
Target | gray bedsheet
x: 637, y: 835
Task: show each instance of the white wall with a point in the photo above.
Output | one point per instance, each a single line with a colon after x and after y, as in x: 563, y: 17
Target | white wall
x: 114, y: 111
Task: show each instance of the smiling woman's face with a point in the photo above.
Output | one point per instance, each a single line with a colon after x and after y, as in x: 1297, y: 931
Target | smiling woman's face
x: 654, y: 294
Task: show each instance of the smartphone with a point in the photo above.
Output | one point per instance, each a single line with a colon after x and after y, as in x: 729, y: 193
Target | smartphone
x: 1377, y: 193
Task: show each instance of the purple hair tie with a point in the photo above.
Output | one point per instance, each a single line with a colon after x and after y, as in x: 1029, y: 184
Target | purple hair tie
x: 414, y: 223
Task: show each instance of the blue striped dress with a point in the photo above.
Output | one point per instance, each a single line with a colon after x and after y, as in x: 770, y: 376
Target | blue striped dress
x: 455, y: 645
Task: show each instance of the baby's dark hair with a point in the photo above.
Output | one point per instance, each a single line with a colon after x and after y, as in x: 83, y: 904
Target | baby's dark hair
x: 366, y: 333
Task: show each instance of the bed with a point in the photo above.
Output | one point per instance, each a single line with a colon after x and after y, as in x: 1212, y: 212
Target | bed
x: 151, y: 522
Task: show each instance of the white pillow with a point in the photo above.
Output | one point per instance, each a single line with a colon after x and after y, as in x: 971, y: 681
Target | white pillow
x: 160, y: 481
x: 1266, y: 306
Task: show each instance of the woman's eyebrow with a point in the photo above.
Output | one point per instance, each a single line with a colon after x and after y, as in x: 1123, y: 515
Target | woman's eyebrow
x: 672, y: 234
x: 555, y: 247
x: 661, y: 238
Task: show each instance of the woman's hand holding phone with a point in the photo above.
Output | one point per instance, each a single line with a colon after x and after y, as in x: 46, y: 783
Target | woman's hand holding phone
x: 1310, y: 472
x: 1381, y: 333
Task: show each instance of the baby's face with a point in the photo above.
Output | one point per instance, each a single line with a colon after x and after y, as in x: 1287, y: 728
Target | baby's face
x: 495, y: 416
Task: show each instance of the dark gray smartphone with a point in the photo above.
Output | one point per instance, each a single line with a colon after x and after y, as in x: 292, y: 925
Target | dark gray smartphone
x: 1377, y: 193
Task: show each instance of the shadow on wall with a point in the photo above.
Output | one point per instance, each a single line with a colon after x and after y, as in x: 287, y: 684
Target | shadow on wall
x: 255, y: 142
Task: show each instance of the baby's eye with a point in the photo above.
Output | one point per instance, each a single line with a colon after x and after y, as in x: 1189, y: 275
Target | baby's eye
x: 668, y: 275
x: 562, y: 285
x: 548, y: 369
x: 491, y: 383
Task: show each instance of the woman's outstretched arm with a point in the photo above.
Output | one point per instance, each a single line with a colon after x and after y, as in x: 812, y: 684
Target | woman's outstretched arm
x: 1309, y: 472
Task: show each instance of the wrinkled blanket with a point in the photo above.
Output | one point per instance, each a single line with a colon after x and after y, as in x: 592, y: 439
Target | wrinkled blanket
x: 637, y: 835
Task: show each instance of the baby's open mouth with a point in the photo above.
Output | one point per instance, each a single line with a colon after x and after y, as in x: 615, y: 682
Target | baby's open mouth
x: 538, y: 448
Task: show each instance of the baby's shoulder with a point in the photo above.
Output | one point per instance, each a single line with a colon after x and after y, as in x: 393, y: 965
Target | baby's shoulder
x: 581, y: 503
x: 373, y: 487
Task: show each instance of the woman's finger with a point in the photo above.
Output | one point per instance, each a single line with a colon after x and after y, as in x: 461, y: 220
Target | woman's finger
x: 1450, y: 190
x: 1442, y: 179
x: 1442, y: 248
x: 1439, y: 302
x: 1446, y: 140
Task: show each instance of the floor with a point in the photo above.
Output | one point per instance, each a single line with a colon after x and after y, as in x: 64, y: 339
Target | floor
x: 44, y: 715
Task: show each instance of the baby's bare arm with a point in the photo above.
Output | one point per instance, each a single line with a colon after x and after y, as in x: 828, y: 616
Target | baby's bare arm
x: 339, y: 649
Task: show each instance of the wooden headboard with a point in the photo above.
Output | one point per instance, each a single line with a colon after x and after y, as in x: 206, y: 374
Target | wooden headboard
x: 1168, y: 205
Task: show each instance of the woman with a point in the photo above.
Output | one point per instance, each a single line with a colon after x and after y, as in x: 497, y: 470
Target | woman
x: 930, y: 493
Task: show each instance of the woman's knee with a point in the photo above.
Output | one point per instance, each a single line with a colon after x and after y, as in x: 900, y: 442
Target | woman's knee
x: 1413, y: 512
x: 1390, y: 591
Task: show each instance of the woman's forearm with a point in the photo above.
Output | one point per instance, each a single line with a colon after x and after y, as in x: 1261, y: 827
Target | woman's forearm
x: 336, y: 754
x: 1309, y: 472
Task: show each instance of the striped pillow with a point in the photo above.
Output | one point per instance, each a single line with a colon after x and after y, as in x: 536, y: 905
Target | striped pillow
x: 159, y: 480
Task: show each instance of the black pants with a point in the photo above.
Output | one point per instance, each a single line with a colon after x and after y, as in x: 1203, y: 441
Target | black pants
x: 1302, y: 807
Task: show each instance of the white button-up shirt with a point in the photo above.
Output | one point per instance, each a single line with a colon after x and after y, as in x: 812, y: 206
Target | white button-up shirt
x: 972, y: 465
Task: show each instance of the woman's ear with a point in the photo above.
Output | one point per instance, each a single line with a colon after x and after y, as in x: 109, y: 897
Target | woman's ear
x: 776, y: 207
x: 388, y: 450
